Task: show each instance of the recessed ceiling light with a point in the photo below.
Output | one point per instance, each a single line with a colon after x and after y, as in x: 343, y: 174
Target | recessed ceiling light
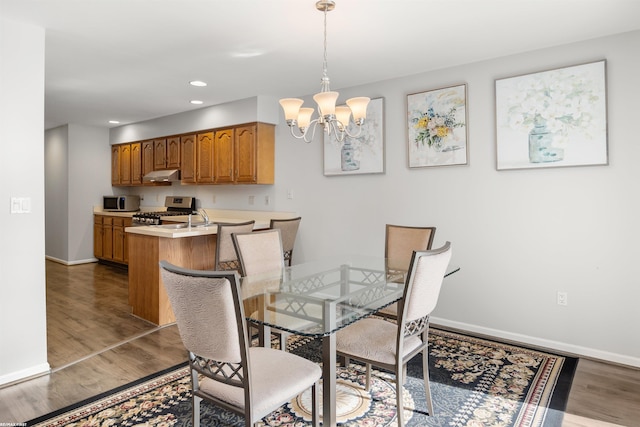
x: 114, y: 122
x: 197, y: 83
x: 195, y: 101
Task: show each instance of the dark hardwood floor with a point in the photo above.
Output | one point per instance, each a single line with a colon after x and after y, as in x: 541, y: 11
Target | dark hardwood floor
x: 95, y: 345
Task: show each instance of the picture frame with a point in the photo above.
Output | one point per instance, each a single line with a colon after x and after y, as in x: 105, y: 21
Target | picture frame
x: 437, y: 127
x: 553, y: 118
x: 363, y: 154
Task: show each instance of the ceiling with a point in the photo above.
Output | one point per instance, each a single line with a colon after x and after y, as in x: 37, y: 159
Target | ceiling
x: 132, y: 60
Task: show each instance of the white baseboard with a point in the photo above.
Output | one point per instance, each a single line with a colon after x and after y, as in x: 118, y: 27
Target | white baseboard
x: 65, y: 262
x: 34, y: 371
x: 541, y: 342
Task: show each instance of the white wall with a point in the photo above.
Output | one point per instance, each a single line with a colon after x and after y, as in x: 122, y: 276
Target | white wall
x: 89, y: 180
x: 23, y: 333
x: 519, y: 236
x: 77, y: 174
x: 56, y: 165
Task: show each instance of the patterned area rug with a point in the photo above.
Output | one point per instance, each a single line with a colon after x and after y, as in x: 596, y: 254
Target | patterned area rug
x: 474, y: 382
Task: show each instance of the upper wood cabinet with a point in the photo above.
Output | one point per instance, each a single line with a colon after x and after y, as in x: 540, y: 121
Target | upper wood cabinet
x: 188, y: 159
x: 136, y: 163
x: 242, y: 154
x: 166, y: 153
x: 223, y: 155
x: 125, y: 164
x: 254, y: 154
x: 147, y: 157
x: 115, y: 165
x: 159, y: 154
x: 204, y: 158
x: 173, y: 153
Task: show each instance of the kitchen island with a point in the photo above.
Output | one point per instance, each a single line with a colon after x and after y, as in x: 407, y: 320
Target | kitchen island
x: 189, y: 247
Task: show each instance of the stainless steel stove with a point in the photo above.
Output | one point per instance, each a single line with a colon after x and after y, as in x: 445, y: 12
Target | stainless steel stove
x: 175, y: 206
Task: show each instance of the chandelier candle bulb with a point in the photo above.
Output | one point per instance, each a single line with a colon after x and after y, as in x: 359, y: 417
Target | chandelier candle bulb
x: 326, y: 102
x: 291, y: 107
x: 343, y: 115
x: 304, y: 118
x: 358, y: 107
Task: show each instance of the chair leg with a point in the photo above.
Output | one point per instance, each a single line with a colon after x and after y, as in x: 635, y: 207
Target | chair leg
x: 427, y: 386
x: 399, y: 401
x: 196, y: 410
x: 284, y: 336
x: 315, y: 405
x: 367, y: 383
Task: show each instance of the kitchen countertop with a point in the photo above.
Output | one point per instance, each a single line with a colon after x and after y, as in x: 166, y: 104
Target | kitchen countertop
x: 262, y: 219
x: 198, y: 229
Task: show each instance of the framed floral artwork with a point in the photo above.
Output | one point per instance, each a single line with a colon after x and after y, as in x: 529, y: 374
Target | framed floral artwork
x: 552, y: 118
x: 437, y: 127
x: 363, y: 154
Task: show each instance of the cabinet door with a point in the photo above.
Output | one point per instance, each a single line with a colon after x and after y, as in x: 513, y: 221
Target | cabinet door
x: 245, y: 154
x: 115, y: 165
x: 188, y: 159
x: 97, y: 236
x: 147, y: 157
x: 125, y: 164
x: 136, y: 163
x: 223, y: 155
x: 173, y: 153
x: 159, y: 154
x: 107, y: 237
x: 127, y: 223
x: 204, y: 158
x: 118, y: 239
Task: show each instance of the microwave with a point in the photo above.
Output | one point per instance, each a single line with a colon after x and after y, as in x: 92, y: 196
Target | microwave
x: 120, y: 203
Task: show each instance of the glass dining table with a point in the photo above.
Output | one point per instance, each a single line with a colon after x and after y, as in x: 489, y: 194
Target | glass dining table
x: 318, y: 298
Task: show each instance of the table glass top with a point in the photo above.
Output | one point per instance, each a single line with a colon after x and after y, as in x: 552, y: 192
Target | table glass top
x: 320, y: 297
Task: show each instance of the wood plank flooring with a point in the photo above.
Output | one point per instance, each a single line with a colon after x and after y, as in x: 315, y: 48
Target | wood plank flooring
x: 95, y: 345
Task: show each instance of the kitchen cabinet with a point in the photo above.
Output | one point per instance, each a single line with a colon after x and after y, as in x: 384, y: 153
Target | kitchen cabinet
x: 241, y: 154
x: 188, y: 159
x: 166, y: 153
x: 125, y: 164
x: 204, y: 158
x: 110, y: 242
x: 173, y: 153
x: 223, y: 156
x: 147, y: 295
x: 136, y: 163
x: 245, y: 154
x: 115, y: 165
x: 159, y: 154
x: 97, y: 236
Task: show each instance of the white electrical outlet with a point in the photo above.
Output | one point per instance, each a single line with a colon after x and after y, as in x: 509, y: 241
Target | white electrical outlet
x: 251, y: 199
x: 290, y: 194
x: 562, y: 298
x: 266, y: 200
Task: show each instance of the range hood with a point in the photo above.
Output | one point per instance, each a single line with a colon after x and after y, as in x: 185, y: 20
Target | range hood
x: 162, y: 176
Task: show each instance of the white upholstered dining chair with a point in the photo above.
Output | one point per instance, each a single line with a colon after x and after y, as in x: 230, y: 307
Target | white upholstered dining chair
x: 258, y: 252
x: 399, y: 243
x: 225, y: 370
x: 226, y: 258
x: 289, y: 230
x: 389, y: 345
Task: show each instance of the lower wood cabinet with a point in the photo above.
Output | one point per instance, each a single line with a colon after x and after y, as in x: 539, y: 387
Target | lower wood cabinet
x: 109, y: 238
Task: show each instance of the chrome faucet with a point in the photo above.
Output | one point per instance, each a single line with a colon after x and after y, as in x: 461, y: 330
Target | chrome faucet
x: 204, y: 216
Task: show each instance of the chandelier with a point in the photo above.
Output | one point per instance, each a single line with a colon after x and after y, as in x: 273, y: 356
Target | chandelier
x: 333, y: 119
